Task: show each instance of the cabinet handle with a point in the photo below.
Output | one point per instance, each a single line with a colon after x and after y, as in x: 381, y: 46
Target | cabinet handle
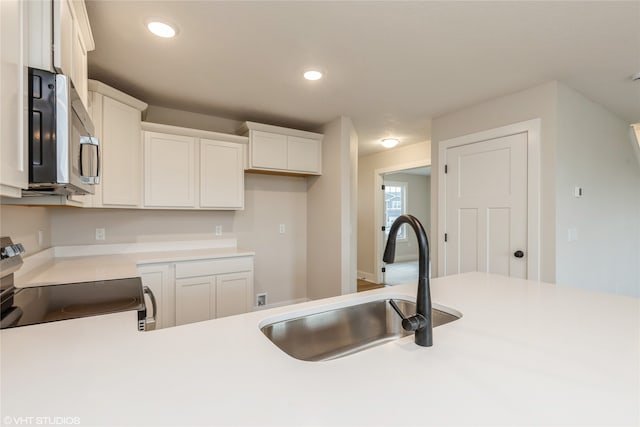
x: 152, y: 321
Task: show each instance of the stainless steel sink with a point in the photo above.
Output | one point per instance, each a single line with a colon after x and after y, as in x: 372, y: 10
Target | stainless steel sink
x: 343, y: 331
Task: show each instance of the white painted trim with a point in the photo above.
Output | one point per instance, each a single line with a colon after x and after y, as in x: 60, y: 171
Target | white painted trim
x: 197, y: 133
x: 377, y: 211
x: 635, y: 139
x: 247, y: 126
x: 532, y: 129
x: 115, y: 94
x: 368, y: 276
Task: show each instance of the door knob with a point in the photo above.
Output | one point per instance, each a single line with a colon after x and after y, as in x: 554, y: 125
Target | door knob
x: 518, y: 254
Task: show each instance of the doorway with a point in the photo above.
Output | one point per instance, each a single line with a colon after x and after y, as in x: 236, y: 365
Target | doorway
x: 404, y: 189
x: 488, y: 202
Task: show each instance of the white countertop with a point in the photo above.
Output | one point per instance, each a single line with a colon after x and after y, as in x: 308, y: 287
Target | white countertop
x: 523, y: 353
x: 75, y: 266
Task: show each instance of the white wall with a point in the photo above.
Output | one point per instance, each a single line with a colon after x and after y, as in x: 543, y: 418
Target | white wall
x: 538, y: 102
x: 22, y: 224
x: 595, y: 152
x: 280, y: 262
x: 170, y: 116
x: 581, y: 144
x: 331, y: 198
x: 418, y: 205
x: 367, y: 166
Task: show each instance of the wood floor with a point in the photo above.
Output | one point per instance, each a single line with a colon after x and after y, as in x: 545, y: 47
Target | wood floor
x: 363, y: 285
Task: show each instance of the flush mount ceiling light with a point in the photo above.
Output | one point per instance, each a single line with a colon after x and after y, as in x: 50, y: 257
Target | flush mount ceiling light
x: 312, y: 75
x: 389, y: 142
x: 161, y: 29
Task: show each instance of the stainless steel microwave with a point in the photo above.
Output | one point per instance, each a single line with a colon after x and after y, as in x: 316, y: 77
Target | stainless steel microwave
x: 64, y: 154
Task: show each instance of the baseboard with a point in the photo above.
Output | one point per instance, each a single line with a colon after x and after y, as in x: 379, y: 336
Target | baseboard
x: 365, y: 275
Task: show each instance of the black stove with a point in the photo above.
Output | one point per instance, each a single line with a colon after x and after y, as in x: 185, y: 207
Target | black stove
x: 41, y: 304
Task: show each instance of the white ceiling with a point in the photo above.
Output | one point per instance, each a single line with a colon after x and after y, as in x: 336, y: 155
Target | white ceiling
x: 390, y: 65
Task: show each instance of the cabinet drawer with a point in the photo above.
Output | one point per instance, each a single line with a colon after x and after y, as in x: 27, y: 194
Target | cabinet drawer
x: 213, y: 266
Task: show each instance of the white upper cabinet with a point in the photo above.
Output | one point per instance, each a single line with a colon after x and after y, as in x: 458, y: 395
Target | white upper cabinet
x: 169, y: 171
x: 268, y: 150
x: 304, y: 154
x: 274, y: 149
x: 117, y: 120
x: 63, y: 37
x: 14, y: 172
x: 59, y: 39
x: 192, y: 169
x: 221, y: 175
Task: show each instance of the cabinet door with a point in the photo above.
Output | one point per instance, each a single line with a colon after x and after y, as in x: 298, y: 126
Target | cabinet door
x: 195, y: 299
x: 157, y: 278
x: 63, y: 35
x: 268, y: 150
x: 303, y: 154
x: 14, y: 173
x: 233, y: 293
x: 221, y: 175
x: 120, y: 149
x: 79, y: 63
x: 169, y: 170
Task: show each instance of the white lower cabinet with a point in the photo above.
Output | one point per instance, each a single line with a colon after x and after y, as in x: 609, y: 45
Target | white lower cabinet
x: 234, y: 294
x: 196, y: 290
x: 195, y: 299
x: 209, y: 289
x: 159, y: 278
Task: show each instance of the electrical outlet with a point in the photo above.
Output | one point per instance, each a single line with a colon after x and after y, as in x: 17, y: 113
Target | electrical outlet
x: 100, y: 234
x: 261, y: 299
x: 282, y: 229
x: 218, y: 230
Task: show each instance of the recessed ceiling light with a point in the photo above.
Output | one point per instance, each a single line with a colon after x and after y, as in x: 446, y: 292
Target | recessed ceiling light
x: 312, y: 75
x: 161, y: 29
x: 389, y: 142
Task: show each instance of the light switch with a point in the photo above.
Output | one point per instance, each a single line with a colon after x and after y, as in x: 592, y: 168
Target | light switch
x: 577, y: 191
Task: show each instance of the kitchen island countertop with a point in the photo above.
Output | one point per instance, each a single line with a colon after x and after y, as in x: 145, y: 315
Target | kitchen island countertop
x: 523, y: 353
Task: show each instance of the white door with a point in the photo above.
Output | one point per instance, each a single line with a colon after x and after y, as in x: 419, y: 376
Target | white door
x: 486, y: 207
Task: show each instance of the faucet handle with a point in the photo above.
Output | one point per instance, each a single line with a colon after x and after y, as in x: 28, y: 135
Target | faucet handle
x: 412, y: 323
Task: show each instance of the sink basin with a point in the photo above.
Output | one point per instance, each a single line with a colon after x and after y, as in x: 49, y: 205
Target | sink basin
x: 343, y: 331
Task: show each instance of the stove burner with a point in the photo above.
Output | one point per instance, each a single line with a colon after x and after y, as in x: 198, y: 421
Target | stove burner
x: 40, y: 304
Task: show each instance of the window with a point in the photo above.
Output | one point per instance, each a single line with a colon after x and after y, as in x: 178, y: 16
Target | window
x: 395, y: 199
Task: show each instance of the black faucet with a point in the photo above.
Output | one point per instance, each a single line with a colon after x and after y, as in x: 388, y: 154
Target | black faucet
x: 421, y: 322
